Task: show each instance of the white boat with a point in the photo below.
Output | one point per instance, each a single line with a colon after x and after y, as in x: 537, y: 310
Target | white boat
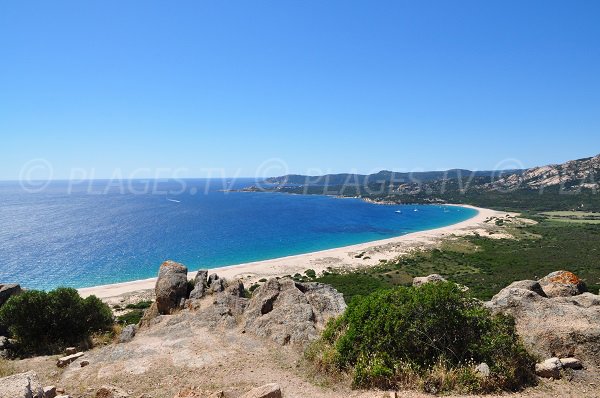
x: 398, y: 211
x: 416, y: 210
x: 174, y: 200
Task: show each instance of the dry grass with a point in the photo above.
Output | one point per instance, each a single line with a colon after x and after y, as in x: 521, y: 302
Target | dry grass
x: 7, y: 368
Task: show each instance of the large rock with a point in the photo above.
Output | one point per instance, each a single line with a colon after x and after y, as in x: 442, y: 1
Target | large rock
x: 7, y: 291
x: 22, y: 385
x: 554, y: 327
x: 171, y: 286
x: 562, y: 284
x: 200, y: 285
x: 292, y: 313
x: 530, y: 285
x: 226, y: 308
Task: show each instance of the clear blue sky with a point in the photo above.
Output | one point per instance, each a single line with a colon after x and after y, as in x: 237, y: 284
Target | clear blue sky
x: 324, y: 85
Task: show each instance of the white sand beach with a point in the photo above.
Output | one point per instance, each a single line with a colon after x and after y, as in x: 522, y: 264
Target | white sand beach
x: 341, y: 257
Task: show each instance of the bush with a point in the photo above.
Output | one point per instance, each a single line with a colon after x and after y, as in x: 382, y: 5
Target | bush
x: 310, y: 273
x: 132, y: 317
x: 430, y: 337
x: 46, y: 322
x: 142, y: 305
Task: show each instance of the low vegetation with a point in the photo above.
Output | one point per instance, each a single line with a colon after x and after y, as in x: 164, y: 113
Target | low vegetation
x: 481, y: 263
x: 430, y: 337
x: 47, y: 322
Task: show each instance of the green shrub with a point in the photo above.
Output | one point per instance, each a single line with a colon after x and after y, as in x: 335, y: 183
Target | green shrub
x: 132, y: 317
x: 430, y: 337
x: 310, y: 273
x: 46, y: 322
x: 142, y: 305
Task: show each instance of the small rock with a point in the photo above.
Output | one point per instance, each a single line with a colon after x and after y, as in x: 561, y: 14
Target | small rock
x: 50, y: 392
x: 483, y: 369
x: 421, y: 280
x: 111, y: 392
x: 267, y: 391
x: 83, y: 364
x: 550, y: 368
x: 64, y: 361
x: 3, y: 342
x: 63, y: 396
x: 571, y: 363
x: 127, y: 334
x: 60, y: 390
x: 70, y: 350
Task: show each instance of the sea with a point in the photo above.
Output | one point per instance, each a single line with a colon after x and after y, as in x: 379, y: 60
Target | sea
x: 90, y: 233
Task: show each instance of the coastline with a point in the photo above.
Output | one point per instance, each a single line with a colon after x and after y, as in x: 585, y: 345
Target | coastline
x: 341, y: 257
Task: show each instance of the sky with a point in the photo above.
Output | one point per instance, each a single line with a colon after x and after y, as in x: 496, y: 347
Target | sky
x: 102, y: 89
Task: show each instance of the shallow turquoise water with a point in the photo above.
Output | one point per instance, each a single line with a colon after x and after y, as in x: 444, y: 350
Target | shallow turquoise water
x: 90, y: 235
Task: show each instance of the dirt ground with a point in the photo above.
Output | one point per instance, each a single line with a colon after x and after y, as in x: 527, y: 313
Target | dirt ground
x: 181, y: 352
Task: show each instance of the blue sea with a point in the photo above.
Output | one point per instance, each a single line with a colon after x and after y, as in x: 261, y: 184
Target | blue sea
x: 92, y: 233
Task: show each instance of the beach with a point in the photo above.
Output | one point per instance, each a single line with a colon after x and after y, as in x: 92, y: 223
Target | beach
x: 319, y: 261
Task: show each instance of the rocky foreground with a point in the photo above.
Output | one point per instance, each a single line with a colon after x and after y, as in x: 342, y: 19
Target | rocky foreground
x: 211, y: 341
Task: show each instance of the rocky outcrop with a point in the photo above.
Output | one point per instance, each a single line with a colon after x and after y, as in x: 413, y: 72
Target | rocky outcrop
x: 22, y: 385
x: 200, y: 285
x: 171, y: 287
x: 421, y: 280
x: 553, y: 326
x: 292, y: 313
x: 7, y: 291
x: 562, y: 284
x: 226, y: 309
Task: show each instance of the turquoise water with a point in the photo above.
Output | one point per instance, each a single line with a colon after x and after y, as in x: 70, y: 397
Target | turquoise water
x: 88, y: 235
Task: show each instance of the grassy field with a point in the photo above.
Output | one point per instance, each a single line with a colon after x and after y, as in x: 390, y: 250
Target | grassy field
x: 572, y: 216
x: 488, y: 265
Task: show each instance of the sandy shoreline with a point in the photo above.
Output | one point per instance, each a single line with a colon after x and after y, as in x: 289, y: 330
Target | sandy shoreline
x: 341, y: 257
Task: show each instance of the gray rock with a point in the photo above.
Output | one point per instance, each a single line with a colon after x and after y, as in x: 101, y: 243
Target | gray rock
x: 530, y: 285
x: 22, y: 385
x: 562, y: 284
x: 216, y: 284
x: 227, y: 308
x: 64, y: 361
x: 200, y: 285
x: 7, y: 291
x: 267, y: 391
x: 549, y: 327
x: 127, y: 334
x: 50, y: 392
x: 3, y: 342
x: 550, y: 368
x: 171, y: 286
x: 83, y: 364
x: 292, y: 313
x: 483, y: 369
x: 571, y: 363
x: 421, y: 280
